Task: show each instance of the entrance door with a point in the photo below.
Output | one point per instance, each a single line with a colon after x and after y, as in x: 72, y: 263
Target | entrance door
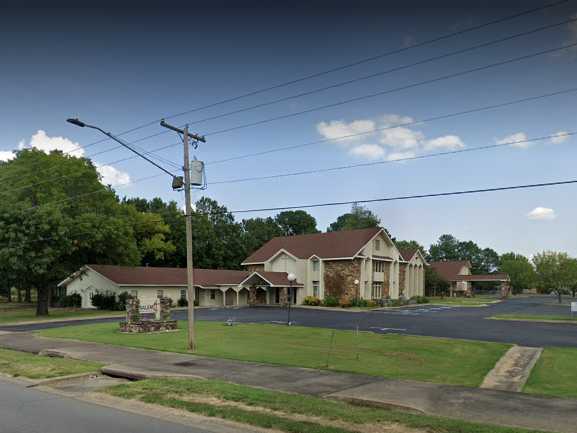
x: 230, y: 297
x: 260, y: 296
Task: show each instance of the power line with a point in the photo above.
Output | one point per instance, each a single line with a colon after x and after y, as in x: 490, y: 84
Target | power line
x: 325, y: 140
x: 332, y: 70
x: 393, y: 90
x: 404, y: 124
x: 352, y: 64
x: 376, y: 163
x: 385, y: 72
x: 409, y: 197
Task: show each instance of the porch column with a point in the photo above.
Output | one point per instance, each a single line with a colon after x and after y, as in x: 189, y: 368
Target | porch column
x: 237, y: 297
x: 223, y: 291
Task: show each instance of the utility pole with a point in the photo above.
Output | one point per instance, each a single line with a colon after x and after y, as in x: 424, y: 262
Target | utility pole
x: 189, y: 250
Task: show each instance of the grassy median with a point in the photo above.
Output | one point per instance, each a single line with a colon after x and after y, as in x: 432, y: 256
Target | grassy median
x: 546, y: 318
x: 555, y: 373
x: 429, y: 359
x: 288, y: 412
x: 21, y: 364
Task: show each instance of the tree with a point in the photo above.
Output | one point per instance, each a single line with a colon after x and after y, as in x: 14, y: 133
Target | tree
x: 258, y: 231
x: 446, y: 248
x: 556, y: 272
x: 434, y: 283
x: 411, y: 245
x: 296, y: 222
x: 358, y: 218
x: 520, y: 271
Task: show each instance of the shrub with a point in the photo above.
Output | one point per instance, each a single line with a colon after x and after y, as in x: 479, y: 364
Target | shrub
x: 359, y: 302
x: 331, y: 301
x: 345, y: 302
x: 109, y: 301
x: 70, y: 301
x: 182, y: 302
x: 371, y: 304
x: 420, y: 299
x: 311, y: 300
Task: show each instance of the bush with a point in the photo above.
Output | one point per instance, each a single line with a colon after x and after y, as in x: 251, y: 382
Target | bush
x: 70, y: 301
x: 182, y: 302
x: 110, y: 301
x: 359, y: 302
x: 345, y: 302
x: 371, y: 304
x: 420, y: 299
x: 311, y: 300
x: 331, y: 301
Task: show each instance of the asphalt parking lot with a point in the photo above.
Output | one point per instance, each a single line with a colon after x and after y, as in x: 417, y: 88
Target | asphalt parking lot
x: 429, y: 320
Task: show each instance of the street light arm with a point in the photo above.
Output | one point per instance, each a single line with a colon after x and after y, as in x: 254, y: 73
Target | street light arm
x: 81, y: 124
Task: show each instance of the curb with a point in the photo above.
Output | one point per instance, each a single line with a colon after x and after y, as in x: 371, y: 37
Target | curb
x: 135, y: 374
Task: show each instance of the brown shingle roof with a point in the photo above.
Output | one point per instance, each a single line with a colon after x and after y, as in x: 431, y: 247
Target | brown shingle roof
x: 408, y: 253
x: 153, y: 276
x: 344, y: 243
x: 449, y: 269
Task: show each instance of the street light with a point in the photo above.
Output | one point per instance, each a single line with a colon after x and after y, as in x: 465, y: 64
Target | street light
x: 291, y: 279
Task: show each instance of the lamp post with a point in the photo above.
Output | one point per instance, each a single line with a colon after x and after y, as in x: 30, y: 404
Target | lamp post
x: 357, y: 289
x: 291, y: 279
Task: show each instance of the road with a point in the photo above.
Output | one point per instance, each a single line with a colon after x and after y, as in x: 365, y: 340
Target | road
x: 26, y: 410
x: 469, y: 323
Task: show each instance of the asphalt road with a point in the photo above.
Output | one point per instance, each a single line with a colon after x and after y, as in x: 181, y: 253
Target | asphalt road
x: 469, y: 323
x: 25, y: 410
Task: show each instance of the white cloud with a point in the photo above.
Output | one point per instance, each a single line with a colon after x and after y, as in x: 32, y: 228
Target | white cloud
x: 336, y: 129
x: 6, y: 155
x: 542, y: 213
x: 112, y: 176
x: 446, y: 142
x: 396, y: 156
x: 43, y: 142
x: 369, y: 151
x: 393, y: 134
x: 401, y: 138
x: 517, y: 140
x: 560, y: 137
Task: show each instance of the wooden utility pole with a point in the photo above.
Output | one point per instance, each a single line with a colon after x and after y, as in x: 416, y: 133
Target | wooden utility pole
x: 189, y: 258
x: 191, y: 342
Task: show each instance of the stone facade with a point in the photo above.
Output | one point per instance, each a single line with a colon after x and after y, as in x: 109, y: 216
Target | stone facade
x: 387, y: 280
x: 148, y: 326
x: 340, y: 276
x: 402, y: 277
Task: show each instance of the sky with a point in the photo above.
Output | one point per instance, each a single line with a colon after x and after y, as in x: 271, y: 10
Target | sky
x: 122, y: 67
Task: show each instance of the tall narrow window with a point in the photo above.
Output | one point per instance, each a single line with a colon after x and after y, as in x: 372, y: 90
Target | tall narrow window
x: 160, y: 293
x: 316, y: 290
x: 377, y: 292
x: 315, y: 265
x: 182, y: 293
x: 377, y: 244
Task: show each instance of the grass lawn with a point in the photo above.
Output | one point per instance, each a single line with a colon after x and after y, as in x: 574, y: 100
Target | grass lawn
x: 394, y: 356
x: 287, y: 412
x: 20, y: 364
x: 464, y: 302
x: 16, y: 315
x: 555, y: 373
x: 535, y: 317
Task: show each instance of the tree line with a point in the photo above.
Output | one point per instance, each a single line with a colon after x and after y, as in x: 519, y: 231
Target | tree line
x: 56, y: 216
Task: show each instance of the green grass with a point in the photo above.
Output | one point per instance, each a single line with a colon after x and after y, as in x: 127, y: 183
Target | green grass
x: 555, y: 374
x: 534, y: 317
x: 177, y: 393
x: 429, y: 359
x: 20, y: 364
x: 16, y: 315
x: 464, y: 302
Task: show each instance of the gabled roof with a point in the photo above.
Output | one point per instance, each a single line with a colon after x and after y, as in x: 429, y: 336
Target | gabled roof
x: 340, y: 244
x: 153, y: 276
x: 407, y: 253
x: 449, y: 269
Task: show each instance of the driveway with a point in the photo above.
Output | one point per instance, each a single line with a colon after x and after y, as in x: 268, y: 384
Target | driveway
x: 451, y: 322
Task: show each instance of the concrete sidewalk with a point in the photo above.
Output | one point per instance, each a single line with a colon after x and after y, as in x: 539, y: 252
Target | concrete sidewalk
x: 471, y: 404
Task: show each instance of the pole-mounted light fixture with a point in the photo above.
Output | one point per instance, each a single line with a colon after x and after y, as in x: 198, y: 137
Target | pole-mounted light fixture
x: 77, y: 122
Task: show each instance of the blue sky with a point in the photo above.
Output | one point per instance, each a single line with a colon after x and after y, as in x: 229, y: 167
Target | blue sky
x: 121, y: 68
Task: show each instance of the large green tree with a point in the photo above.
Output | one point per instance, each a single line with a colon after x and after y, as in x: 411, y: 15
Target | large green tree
x: 258, y: 231
x: 520, y: 271
x: 556, y: 273
x: 358, y: 218
x: 296, y: 222
x: 448, y: 247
